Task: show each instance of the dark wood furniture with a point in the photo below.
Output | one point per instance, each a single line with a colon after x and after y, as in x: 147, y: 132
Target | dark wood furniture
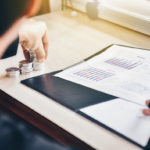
x: 46, y: 126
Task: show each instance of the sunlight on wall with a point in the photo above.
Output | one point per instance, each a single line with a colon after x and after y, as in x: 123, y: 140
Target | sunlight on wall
x: 137, y: 6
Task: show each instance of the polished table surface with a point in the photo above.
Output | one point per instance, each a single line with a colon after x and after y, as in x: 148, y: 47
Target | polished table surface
x: 71, y: 40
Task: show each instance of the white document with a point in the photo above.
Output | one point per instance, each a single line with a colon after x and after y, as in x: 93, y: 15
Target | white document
x: 123, y: 117
x: 120, y: 71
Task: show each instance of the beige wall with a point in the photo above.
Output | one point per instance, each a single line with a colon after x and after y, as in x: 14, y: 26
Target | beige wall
x: 55, y: 5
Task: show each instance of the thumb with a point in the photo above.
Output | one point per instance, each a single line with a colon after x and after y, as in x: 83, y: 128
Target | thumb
x: 40, y: 53
x: 25, y: 52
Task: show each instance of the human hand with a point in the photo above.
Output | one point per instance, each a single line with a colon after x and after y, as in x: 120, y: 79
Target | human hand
x: 33, y: 36
x: 147, y: 110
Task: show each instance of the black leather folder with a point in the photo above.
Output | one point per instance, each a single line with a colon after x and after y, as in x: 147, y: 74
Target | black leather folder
x: 72, y: 95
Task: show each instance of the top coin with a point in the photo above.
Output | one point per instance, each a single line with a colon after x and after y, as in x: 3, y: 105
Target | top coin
x: 12, y: 69
x: 25, y: 63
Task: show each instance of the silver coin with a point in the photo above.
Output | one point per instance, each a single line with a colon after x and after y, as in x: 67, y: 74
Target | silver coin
x: 38, y: 66
x: 25, y: 63
x: 38, y: 63
x: 32, y: 55
x: 22, y: 70
x: 32, y: 52
x: 12, y: 69
x: 26, y: 70
x: 13, y: 75
x: 12, y: 72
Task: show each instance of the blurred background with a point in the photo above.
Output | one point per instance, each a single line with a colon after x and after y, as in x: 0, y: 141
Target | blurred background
x: 45, y: 8
x: 133, y: 14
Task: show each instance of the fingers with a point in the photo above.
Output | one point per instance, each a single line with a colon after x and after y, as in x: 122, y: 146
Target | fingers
x: 147, y: 111
x: 33, y: 36
x: 147, y: 102
x: 26, y: 53
x: 45, y: 44
x: 40, y: 54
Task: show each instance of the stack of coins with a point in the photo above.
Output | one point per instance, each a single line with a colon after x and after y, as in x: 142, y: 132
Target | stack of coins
x: 13, y: 72
x: 33, y: 58
x: 25, y: 66
x: 37, y: 66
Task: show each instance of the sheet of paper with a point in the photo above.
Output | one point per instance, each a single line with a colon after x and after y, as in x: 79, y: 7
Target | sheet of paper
x: 124, y: 117
x: 120, y: 71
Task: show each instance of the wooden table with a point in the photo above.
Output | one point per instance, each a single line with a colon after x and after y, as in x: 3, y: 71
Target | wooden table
x: 71, y: 40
